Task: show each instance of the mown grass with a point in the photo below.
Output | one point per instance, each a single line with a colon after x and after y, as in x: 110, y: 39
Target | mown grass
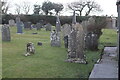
x: 48, y: 62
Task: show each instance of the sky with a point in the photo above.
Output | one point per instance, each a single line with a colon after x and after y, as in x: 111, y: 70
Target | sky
x: 108, y: 6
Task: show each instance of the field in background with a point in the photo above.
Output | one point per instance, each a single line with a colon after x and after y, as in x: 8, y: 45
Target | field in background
x: 48, y: 62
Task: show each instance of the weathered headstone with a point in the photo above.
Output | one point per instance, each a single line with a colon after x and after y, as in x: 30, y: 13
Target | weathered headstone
x: 48, y: 27
x: 6, y: 33
x: 58, y: 24
x: 27, y: 25
x: 11, y: 22
x: 38, y: 26
x: 76, y: 45
x: 55, y: 39
x: 66, y: 30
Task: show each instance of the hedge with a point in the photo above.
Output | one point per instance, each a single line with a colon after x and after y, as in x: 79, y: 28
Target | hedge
x: 42, y: 18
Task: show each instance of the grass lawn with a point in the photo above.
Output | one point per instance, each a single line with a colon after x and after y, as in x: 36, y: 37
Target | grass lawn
x: 48, y: 62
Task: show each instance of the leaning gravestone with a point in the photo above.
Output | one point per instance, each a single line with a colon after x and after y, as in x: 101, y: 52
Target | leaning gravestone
x: 6, y: 33
x: 48, y: 27
x: 58, y: 24
x: 27, y: 25
x: 38, y: 26
x: 76, y: 45
x: 55, y: 39
x: 11, y: 22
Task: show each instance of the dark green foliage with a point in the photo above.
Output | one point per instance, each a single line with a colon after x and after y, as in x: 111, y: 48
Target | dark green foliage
x: 58, y: 7
x: 36, y: 9
x: 47, y: 6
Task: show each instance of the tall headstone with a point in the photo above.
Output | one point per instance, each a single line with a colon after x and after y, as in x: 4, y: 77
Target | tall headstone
x: 91, y: 38
x: 27, y: 25
x: 48, y: 27
x: 11, y: 22
x: 66, y: 30
x: 55, y: 39
x: 6, y: 33
x: 38, y: 26
x: 74, y: 18
x: 20, y: 26
x: 58, y: 24
x: 76, y: 45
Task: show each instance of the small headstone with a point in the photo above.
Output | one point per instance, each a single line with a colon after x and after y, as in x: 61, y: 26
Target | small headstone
x: 35, y: 33
x: 38, y: 26
x: 48, y: 27
x: 11, y: 22
x: 27, y: 25
x: 39, y: 44
x: 55, y: 39
x: 6, y: 33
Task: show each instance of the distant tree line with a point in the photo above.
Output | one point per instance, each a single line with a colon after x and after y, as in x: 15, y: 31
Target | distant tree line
x: 50, y: 8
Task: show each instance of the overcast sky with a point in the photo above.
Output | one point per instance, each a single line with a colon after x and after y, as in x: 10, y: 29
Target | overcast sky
x: 109, y: 6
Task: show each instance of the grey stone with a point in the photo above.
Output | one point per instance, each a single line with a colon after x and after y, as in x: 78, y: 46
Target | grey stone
x: 58, y: 24
x: 66, y: 29
x: 18, y: 19
x: 11, y: 22
x: 55, y: 38
x: 74, y: 18
x: 20, y: 26
x: 38, y: 26
x: 27, y: 25
x: 6, y: 33
x: 48, y: 27
x: 76, y: 44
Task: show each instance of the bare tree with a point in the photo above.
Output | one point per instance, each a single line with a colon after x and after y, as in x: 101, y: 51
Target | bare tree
x: 92, y: 6
x: 26, y: 7
x: 84, y: 4
x: 17, y: 8
x: 78, y: 6
x: 5, y: 6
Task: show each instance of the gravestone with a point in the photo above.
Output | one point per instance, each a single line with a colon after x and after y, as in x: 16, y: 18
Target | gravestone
x: 66, y: 29
x: 27, y: 25
x: 74, y: 18
x: 91, y: 38
x: 38, y: 26
x: 58, y: 24
x: 20, y: 26
x: 6, y: 33
x: 17, y: 19
x: 48, y: 27
x: 55, y: 39
x: 11, y: 22
x: 76, y: 45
